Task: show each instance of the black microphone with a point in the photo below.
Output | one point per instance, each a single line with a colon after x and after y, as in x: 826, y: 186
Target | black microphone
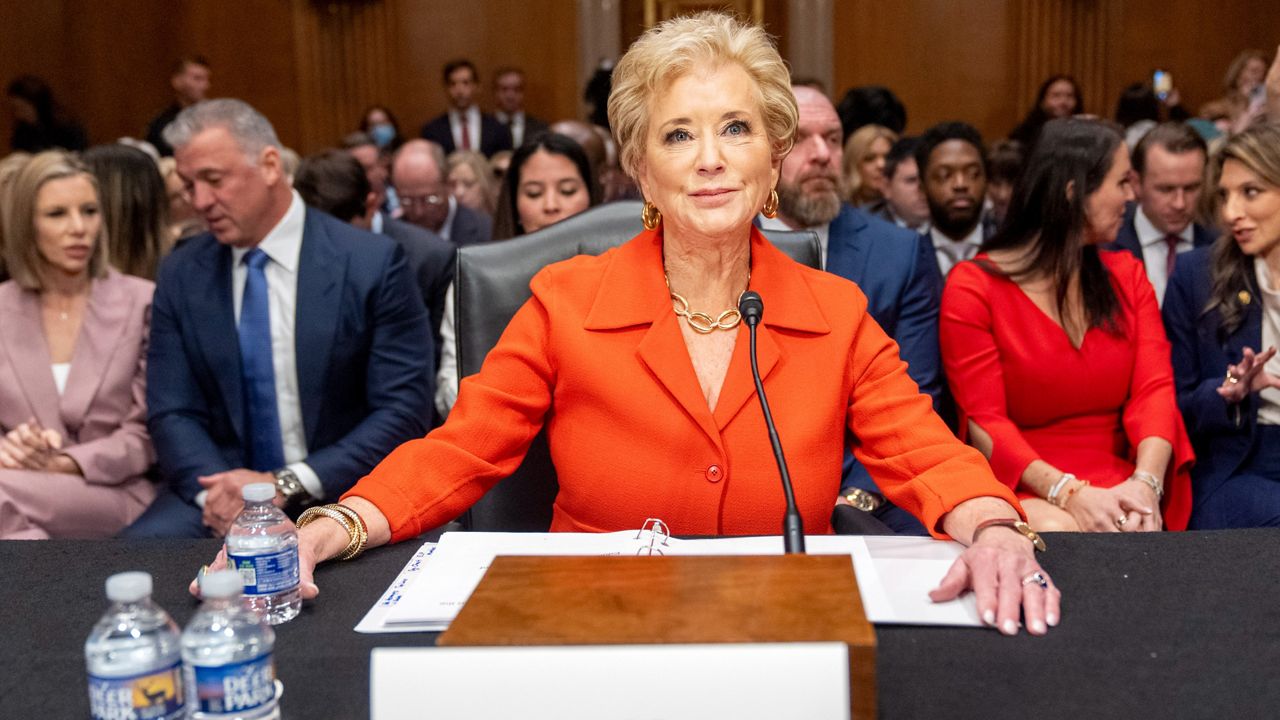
x: 751, y: 307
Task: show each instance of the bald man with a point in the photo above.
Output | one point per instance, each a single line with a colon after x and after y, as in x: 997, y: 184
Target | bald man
x: 419, y: 176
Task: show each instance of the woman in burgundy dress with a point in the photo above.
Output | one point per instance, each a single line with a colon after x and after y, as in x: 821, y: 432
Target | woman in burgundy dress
x: 1056, y: 354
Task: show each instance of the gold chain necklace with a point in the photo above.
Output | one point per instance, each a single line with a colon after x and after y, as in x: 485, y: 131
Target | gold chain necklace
x: 701, y: 322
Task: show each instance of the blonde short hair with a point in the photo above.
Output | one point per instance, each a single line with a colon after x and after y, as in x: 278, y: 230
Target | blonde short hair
x: 22, y: 254
x: 672, y: 49
x: 855, y: 149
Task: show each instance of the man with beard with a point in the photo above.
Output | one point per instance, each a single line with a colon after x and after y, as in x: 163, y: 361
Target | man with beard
x: 894, y: 267
x: 954, y: 175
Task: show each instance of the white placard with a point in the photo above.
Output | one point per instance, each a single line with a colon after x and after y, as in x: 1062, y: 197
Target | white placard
x: 640, y: 682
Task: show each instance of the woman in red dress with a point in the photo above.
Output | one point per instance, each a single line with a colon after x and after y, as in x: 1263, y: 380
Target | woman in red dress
x: 1056, y: 354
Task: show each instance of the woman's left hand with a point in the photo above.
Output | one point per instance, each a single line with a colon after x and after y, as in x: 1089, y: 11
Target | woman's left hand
x: 1001, y: 570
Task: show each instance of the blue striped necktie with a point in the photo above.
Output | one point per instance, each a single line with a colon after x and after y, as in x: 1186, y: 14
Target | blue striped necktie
x: 266, y: 450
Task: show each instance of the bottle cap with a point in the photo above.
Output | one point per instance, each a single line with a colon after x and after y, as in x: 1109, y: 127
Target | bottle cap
x: 258, y: 492
x: 221, y: 584
x: 128, y: 587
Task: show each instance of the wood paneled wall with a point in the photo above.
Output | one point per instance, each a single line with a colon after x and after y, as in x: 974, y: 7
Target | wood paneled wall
x: 313, y: 65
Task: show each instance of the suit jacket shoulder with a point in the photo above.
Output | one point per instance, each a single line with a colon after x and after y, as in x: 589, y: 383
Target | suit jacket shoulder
x: 437, y: 130
x: 470, y: 227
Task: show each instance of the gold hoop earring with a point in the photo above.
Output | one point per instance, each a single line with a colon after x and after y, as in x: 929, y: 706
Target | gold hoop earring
x: 650, y: 216
x: 770, y: 209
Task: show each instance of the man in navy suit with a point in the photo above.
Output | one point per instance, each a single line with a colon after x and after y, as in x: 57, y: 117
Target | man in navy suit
x: 464, y: 127
x: 893, y: 266
x: 286, y: 347
x: 1170, y: 161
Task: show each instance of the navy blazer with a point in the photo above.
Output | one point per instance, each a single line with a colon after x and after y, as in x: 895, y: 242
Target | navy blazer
x: 1222, y: 434
x: 431, y: 263
x: 897, y: 271
x: 1127, y: 238
x: 363, y: 354
x: 494, y: 136
x: 470, y: 227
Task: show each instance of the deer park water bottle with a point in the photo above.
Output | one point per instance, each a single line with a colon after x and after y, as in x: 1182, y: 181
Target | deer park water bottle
x: 227, y: 655
x: 133, y: 656
x: 262, y: 545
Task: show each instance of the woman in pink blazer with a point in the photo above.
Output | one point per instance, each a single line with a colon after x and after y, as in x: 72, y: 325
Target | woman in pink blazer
x: 74, y: 452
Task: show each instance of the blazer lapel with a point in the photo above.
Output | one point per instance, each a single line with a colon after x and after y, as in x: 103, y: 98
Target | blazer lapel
x: 846, y: 257
x: 28, y: 351
x: 106, y: 315
x: 321, y: 270
x: 632, y: 293
x: 789, y: 305
x: 214, y: 319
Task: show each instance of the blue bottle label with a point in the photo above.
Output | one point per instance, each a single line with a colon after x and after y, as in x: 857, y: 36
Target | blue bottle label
x: 235, y: 688
x: 267, y: 574
x: 156, y: 695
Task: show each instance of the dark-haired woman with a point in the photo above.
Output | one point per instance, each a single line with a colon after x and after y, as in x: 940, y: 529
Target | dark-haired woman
x: 1056, y: 354
x: 549, y: 179
x: 135, y: 208
x: 1058, y: 97
x: 1222, y: 309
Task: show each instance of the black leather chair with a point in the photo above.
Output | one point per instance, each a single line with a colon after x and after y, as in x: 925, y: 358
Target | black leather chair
x: 491, y: 282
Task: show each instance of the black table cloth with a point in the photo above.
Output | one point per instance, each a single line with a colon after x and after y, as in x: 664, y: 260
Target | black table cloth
x: 1173, y: 625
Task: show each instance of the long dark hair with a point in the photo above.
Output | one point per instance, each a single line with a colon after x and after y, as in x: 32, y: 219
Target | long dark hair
x: 1047, y: 222
x: 1232, y: 271
x: 1029, y: 129
x: 135, y: 207
x: 506, y: 219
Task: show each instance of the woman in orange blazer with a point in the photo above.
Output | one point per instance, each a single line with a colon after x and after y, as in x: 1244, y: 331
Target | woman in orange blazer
x: 75, y: 451
x: 637, y: 366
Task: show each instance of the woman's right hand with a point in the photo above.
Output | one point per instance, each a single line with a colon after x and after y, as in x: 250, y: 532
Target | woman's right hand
x: 1106, y: 509
x: 1248, y: 376
x: 310, y: 542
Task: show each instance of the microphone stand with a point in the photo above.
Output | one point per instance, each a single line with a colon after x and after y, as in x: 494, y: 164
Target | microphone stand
x: 751, y: 307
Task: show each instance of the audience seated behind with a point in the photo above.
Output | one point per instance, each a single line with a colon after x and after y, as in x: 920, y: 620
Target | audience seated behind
x: 508, y: 100
x: 135, y: 208
x: 40, y: 122
x: 954, y: 176
x: 471, y: 181
x: 1169, y: 163
x: 863, y: 164
x: 549, y: 180
x: 333, y: 364
x: 1222, y: 314
x: 75, y: 454
x: 1056, y: 354
x: 419, y: 174
x: 190, y: 83
x: 1059, y: 96
x: 904, y: 203
x: 893, y: 267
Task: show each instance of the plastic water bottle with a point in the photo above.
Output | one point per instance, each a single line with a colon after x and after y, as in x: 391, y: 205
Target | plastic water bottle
x: 262, y: 545
x: 226, y: 651
x: 133, y: 656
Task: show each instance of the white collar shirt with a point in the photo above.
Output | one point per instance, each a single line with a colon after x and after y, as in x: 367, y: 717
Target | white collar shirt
x: 472, y: 116
x: 953, y: 252
x: 1155, y: 252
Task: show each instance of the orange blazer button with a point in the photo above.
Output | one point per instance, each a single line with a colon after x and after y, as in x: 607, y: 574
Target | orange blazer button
x: 715, y: 474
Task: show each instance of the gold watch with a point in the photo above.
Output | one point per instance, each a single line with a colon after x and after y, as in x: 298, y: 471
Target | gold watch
x: 1015, y: 525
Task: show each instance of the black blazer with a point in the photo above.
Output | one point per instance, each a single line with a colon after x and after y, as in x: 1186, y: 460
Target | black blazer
x: 470, y: 227
x: 494, y: 136
x: 431, y: 261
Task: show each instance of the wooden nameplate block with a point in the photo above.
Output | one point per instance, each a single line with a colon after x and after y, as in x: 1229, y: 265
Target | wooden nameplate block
x: 656, y: 599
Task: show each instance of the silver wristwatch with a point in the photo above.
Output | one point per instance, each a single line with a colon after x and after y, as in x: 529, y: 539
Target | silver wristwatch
x: 288, y: 484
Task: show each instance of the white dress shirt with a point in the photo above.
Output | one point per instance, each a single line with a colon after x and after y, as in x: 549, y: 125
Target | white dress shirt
x: 446, y: 230
x: 822, y: 231
x: 1269, y: 407
x: 473, y: 127
x: 1155, y: 253
x: 447, y: 374
x: 951, y: 252
x: 283, y: 245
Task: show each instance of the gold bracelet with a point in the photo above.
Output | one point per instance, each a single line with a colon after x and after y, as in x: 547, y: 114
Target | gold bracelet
x: 362, y: 532
x: 353, y: 532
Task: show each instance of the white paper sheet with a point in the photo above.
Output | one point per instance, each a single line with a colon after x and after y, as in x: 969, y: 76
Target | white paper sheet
x: 894, y: 573
x: 674, y: 682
